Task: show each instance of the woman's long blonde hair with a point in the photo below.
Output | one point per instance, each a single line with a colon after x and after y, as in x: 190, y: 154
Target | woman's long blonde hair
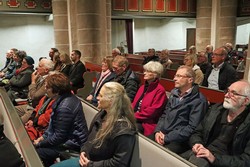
x: 120, y: 109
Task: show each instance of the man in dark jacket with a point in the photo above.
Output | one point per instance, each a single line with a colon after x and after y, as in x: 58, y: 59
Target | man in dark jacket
x: 125, y: 76
x: 223, y: 137
x: 221, y: 74
x: 150, y: 57
x: 185, y: 109
x: 76, y: 71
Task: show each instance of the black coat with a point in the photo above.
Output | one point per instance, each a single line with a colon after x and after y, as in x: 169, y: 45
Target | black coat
x: 76, y: 75
x: 227, y: 76
x: 116, y: 149
x: 240, y: 149
x: 9, y: 156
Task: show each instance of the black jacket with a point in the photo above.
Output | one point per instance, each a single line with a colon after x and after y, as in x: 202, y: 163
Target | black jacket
x: 9, y: 156
x: 117, y: 148
x: 130, y: 81
x: 240, y: 149
x: 76, y: 75
x: 227, y: 76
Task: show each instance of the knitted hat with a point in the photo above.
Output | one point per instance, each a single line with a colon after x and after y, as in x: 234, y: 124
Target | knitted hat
x: 30, y: 60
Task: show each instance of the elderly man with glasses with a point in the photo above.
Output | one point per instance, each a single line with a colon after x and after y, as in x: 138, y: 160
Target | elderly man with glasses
x: 185, y: 109
x: 221, y: 74
x: 223, y: 137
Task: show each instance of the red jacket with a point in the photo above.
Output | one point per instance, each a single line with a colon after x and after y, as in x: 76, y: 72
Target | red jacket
x: 152, y: 106
x: 43, y: 120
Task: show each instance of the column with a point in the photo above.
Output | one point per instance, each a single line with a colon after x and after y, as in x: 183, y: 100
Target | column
x: 83, y: 25
x: 216, y: 22
x: 60, y: 21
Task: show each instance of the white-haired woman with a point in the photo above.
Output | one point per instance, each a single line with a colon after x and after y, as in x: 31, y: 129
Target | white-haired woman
x: 112, y: 132
x: 150, y: 99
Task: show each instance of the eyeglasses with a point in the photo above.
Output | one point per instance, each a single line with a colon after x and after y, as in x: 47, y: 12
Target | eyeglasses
x: 233, y: 93
x: 181, y: 76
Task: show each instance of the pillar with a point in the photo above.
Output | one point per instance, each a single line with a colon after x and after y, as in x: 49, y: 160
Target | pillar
x: 86, y: 27
x: 216, y: 22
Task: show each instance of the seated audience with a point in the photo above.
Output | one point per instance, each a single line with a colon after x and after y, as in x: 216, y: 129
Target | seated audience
x: 57, y: 61
x: 106, y: 75
x: 150, y: 57
x: 116, y: 52
x: 185, y: 108
x: 192, y: 50
x: 9, y: 60
x: 17, y: 62
x: 203, y: 62
x: 67, y: 129
x: 36, y: 89
x: 223, y: 137
x: 191, y: 61
x: 165, y: 61
x: 76, y: 71
x: 242, y: 63
x: 19, y: 83
x: 39, y: 120
x: 125, y: 76
x: 221, y: 74
x: 65, y: 64
x: 112, y: 132
x: 150, y: 99
x: 52, y: 52
x: 231, y: 54
x: 209, y: 52
x: 9, y: 156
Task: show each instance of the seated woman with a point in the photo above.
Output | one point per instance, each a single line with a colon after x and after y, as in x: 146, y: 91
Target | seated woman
x: 19, y: 83
x: 57, y: 62
x: 191, y: 61
x: 39, y: 120
x: 66, y: 64
x: 67, y: 128
x: 106, y: 75
x: 112, y: 132
x: 150, y: 99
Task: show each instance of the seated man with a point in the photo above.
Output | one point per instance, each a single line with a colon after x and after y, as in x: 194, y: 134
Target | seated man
x: 185, y: 109
x: 223, y: 137
x: 36, y: 89
x: 76, y: 71
x: 150, y: 57
x: 221, y: 74
x: 125, y: 76
x: 67, y: 129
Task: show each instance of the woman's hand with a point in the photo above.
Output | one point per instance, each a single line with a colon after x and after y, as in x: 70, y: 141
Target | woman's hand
x: 38, y: 140
x: 83, y: 160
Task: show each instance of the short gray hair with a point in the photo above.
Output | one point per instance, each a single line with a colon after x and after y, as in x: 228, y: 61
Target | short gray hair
x: 48, y: 64
x: 154, y: 66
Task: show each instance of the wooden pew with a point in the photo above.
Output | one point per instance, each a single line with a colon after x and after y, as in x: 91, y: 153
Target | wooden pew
x: 93, y: 67
x: 146, y: 152
x: 213, y: 96
x: 15, y: 131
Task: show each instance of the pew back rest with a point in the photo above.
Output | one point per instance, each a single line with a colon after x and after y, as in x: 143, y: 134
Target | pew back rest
x: 146, y: 153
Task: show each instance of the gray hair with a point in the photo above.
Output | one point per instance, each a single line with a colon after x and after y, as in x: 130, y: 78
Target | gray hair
x: 189, y: 71
x: 154, y: 66
x: 48, y: 64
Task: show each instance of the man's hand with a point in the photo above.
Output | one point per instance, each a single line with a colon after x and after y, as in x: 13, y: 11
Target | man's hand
x: 159, y: 137
x: 197, y: 147
x: 34, y: 77
x: 205, y: 153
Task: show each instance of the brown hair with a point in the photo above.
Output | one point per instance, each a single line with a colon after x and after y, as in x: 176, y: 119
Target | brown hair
x: 59, y: 83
